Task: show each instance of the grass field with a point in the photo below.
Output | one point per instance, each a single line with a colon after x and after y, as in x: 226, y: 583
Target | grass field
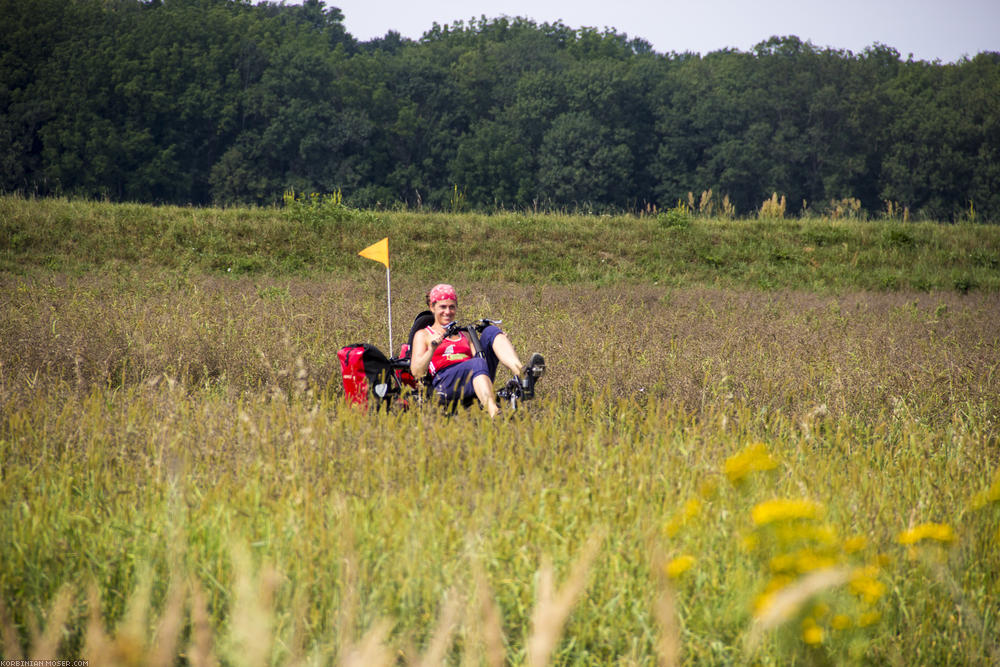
x: 318, y: 238
x: 718, y: 469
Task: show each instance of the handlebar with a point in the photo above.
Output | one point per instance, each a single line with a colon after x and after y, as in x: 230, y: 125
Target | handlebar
x: 451, y: 329
x: 478, y: 325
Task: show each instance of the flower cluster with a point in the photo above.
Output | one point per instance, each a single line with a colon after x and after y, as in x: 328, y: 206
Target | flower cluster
x: 781, y: 510
x: 936, y: 532
x: 817, y: 582
x: 754, y: 458
x: 987, y: 496
x: 690, y: 511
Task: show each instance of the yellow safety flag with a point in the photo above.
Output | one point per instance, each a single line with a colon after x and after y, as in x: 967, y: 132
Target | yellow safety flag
x: 378, y: 252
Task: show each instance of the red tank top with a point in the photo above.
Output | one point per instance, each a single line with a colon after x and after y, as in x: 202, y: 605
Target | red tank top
x: 449, y: 353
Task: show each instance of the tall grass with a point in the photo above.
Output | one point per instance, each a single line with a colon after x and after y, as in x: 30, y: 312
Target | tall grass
x: 861, y: 354
x: 355, y: 525
x: 708, y: 475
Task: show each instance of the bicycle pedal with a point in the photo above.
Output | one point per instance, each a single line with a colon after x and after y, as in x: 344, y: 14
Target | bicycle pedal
x: 536, y: 365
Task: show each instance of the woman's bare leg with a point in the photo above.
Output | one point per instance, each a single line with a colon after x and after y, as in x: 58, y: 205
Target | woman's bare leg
x: 506, y: 354
x: 484, y: 392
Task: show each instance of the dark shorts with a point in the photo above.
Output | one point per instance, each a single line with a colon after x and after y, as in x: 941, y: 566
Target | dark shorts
x: 455, y: 382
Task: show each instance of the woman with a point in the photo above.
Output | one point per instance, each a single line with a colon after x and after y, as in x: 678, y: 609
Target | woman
x: 456, y: 371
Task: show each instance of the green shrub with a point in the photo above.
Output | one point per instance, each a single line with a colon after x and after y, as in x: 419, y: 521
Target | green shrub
x: 678, y: 217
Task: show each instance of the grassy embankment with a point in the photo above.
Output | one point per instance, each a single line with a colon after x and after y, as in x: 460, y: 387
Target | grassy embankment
x: 172, y: 435
x: 320, y: 240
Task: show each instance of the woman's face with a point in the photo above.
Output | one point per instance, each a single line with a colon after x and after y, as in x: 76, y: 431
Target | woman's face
x: 444, y: 311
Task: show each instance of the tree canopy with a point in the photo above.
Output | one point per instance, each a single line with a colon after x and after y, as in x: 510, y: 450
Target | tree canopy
x: 224, y: 101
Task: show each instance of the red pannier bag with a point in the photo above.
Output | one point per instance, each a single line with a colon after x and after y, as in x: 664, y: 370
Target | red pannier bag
x: 367, y: 373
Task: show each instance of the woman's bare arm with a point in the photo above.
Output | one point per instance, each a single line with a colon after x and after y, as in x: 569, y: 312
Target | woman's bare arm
x: 423, y: 350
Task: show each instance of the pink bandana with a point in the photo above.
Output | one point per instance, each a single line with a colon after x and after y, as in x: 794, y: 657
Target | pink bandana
x: 441, y: 292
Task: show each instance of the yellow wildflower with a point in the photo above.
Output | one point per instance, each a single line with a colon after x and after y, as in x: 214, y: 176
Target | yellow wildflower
x: 855, y: 544
x: 753, y: 458
x: 812, y: 634
x: 940, y: 532
x: 763, y: 601
x: 990, y: 495
x: 840, y: 622
x: 798, y: 532
x: 785, y: 509
x: 801, y: 561
x: 865, y: 584
x: 708, y: 489
x: 679, y: 566
x: 692, y: 509
x: 869, y: 618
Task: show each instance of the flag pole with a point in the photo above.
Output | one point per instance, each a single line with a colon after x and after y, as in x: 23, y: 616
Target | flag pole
x: 388, y: 297
x: 379, y: 252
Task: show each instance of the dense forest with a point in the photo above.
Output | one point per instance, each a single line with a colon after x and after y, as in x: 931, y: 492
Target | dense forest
x: 224, y: 101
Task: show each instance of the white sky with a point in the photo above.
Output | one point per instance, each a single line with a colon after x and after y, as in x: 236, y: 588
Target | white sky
x: 930, y: 30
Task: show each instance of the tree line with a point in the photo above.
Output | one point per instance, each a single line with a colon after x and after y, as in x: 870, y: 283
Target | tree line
x: 225, y: 102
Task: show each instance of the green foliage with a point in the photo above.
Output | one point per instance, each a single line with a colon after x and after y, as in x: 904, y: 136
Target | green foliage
x: 234, y: 103
x: 457, y: 203
x: 321, y: 211
x: 582, y: 162
x: 963, y: 283
x: 896, y: 236
x: 678, y: 217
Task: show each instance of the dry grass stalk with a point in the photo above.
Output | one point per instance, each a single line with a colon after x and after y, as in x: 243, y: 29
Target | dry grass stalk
x: 892, y: 209
x: 129, y: 643
x: 706, y: 204
x: 372, y: 650
x: 668, y: 645
x: 347, y: 612
x: 252, y: 618
x: 487, y: 643
x: 553, y: 607
x: 437, y: 648
x: 297, y: 644
x: 492, y: 630
x: 201, y: 652
x: 728, y: 208
x: 773, y: 207
x: 11, y: 644
x: 97, y: 645
x: 848, y: 207
x: 787, y: 602
x: 164, y: 650
x: 250, y: 635
x: 46, y: 645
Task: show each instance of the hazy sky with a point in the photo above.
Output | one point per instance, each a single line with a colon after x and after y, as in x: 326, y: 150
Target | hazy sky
x: 931, y: 30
